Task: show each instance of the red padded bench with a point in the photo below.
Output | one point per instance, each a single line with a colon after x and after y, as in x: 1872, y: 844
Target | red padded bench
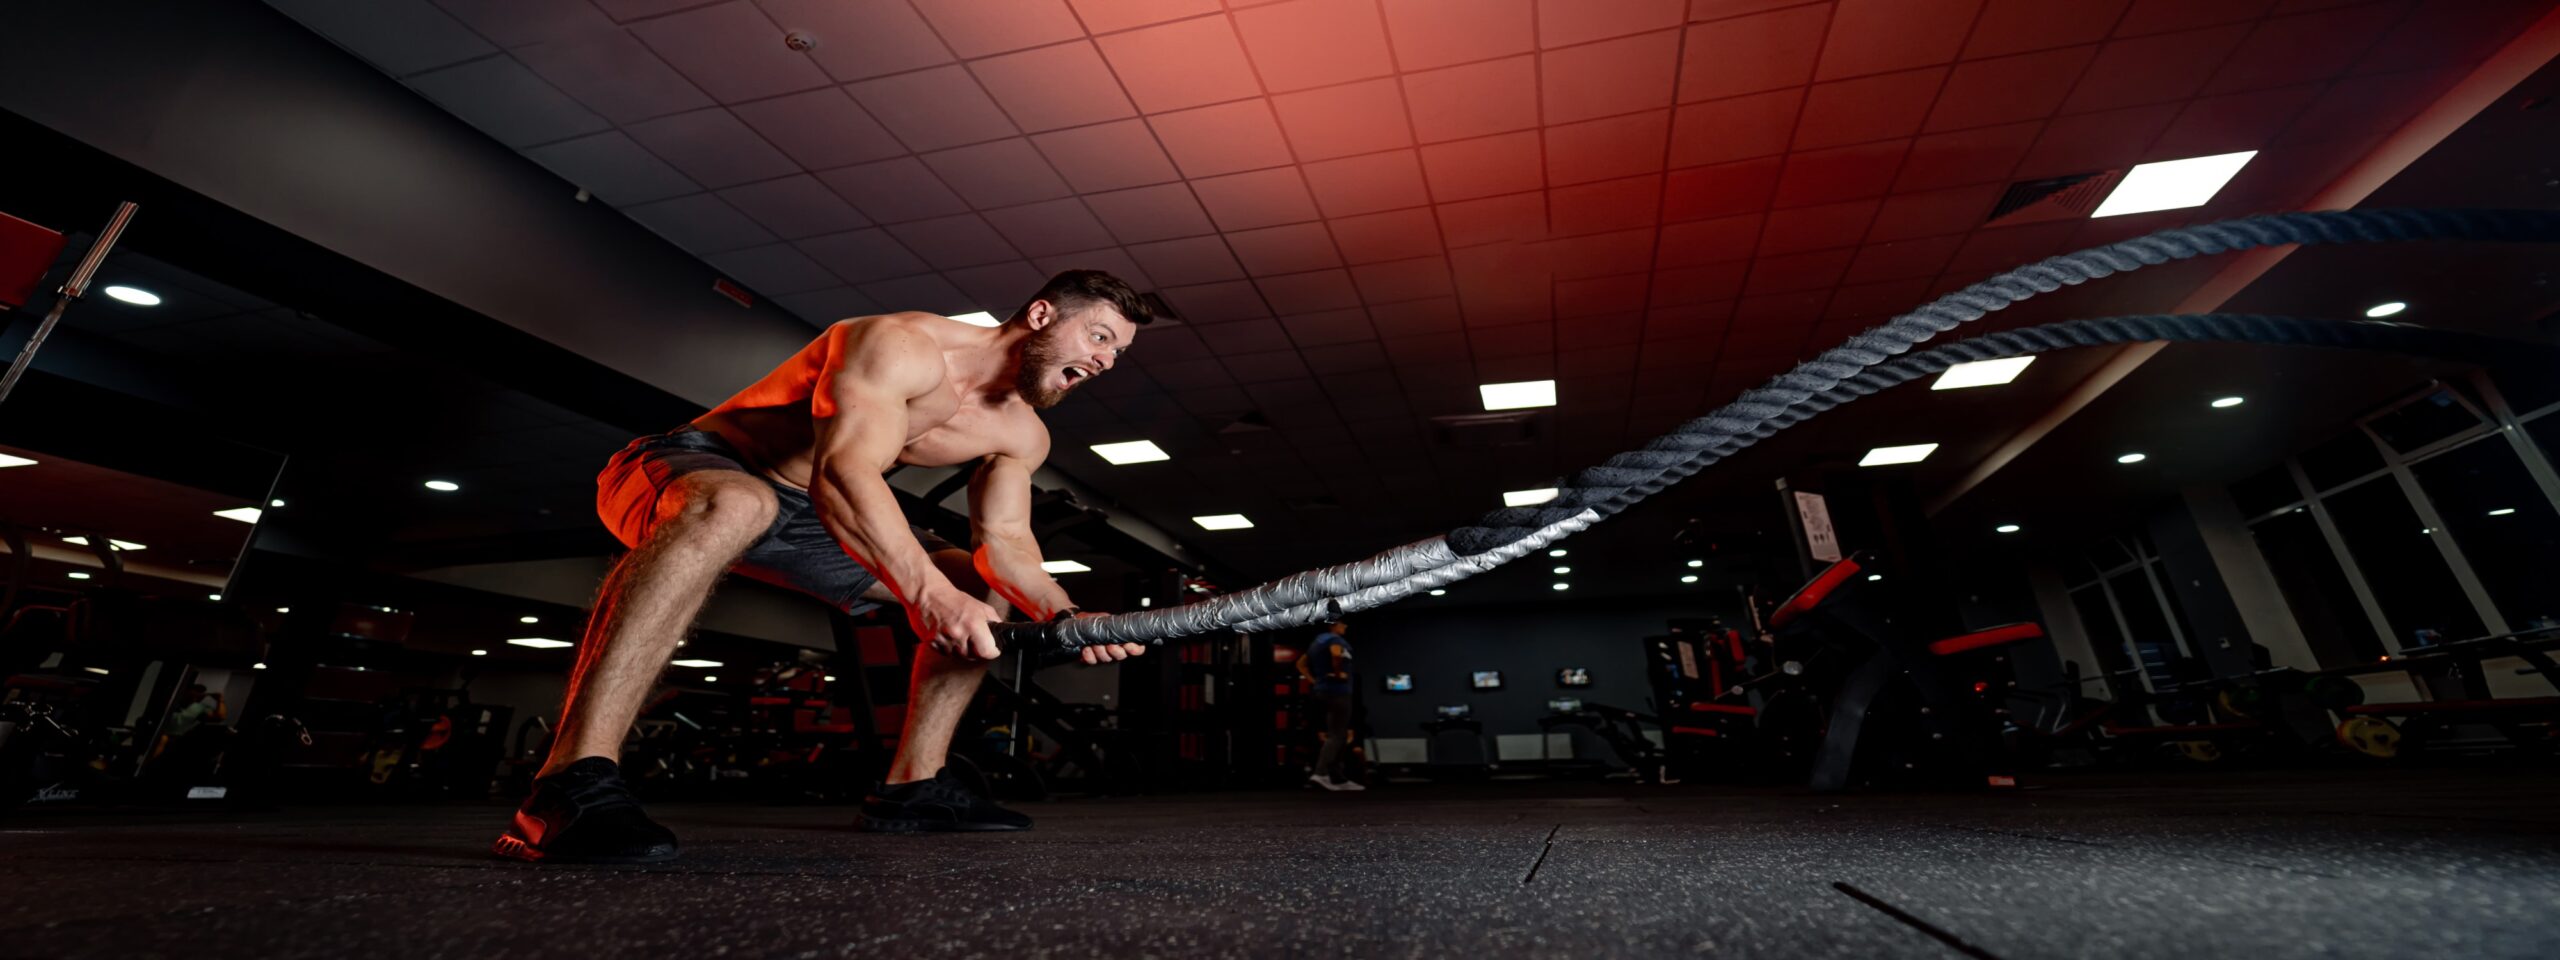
x: 1814, y: 593
x: 2455, y: 706
x: 1996, y: 636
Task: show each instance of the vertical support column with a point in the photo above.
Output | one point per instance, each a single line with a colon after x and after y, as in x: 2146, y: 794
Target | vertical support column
x: 2246, y: 580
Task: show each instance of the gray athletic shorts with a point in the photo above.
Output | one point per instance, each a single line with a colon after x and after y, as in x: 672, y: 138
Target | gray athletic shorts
x: 795, y: 553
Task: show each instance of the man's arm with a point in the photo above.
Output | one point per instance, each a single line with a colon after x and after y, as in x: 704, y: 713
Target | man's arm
x: 860, y: 408
x: 1008, y: 555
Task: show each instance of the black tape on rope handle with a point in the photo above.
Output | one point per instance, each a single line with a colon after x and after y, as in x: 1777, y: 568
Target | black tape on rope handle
x: 1038, y: 639
x: 1627, y: 477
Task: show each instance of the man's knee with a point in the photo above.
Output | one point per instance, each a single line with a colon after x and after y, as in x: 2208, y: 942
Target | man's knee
x: 726, y: 506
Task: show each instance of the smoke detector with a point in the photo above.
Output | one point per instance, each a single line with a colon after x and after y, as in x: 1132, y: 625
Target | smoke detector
x: 800, y: 40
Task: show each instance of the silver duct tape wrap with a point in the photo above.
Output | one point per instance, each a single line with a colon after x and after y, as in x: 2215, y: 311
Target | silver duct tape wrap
x: 1314, y: 587
x: 1441, y: 576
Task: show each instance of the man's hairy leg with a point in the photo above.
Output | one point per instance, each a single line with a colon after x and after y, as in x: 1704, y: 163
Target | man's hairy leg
x: 703, y: 522
x: 939, y: 691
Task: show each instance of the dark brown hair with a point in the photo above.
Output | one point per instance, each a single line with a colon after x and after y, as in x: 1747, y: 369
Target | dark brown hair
x: 1075, y: 288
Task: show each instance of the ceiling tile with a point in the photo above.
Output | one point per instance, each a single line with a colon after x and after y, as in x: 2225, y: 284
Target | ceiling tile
x: 2086, y: 142
x: 1483, y: 167
x: 1309, y: 292
x: 1001, y: 288
x: 795, y: 207
x: 1416, y: 318
x: 1514, y: 340
x: 513, y: 24
x: 2023, y: 87
x: 1437, y: 33
x: 611, y: 166
x: 713, y: 148
x: 1600, y: 255
x: 400, y: 37
x: 731, y: 51
x: 1313, y: 43
x: 1917, y: 259
x: 2153, y: 69
x: 1217, y: 302
x: 1263, y: 198
x: 1180, y: 375
x: 1709, y: 241
x: 1720, y: 190
x: 2232, y: 123
x: 1227, y: 138
x: 1868, y: 108
x: 1707, y: 283
x: 1356, y: 185
x: 2312, y: 46
x: 613, y: 73
x: 999, y: 174
x: 2017, y: 26
x: 1401, y: 280
x: 1957, y: 210
x: 860, y: 39
x: 1966, y: 156
x: 1425, y: 349
x: 1595, y: 362
x: 1245, y: 337
x: 1514, y: 218
x: 1841, y: 173
x: 1192, y: 260
x: 1877, y: 36
x: 700, y: 223
x: 1602, y: 149
x: 1604, y: 206
x: 773, y: 270
x: 952, y: 242
x: 2367, y: 106
x: 1736, y: 128
x: 1054, y: 227
x: 1344, y: 120
x: 1355, y: 357
x: 1799, y: 273
x: 1816, y: 228
x: 1609, y: 78
x: 861, y: 256
x: 1111, y: 260
x: 1393, y: 235
x: 1150, y: 213
x: 2162, y: 16
x: 933, y: 109
x: 1496, y: 96
x: 1260, y: 368
x: 2004, y: 247
x: 823, y: 307
x: 894, y: 190
x: 1288, y: 249
x: 1190, y: 63
x: 821, y: 128
x: 927, y: 292
x: 629, y: 10
x: 1877, y: 300
x: 1567, y: 22
x: 1595, y: 296
x: 978, y: 28
x: 1106, y: 16
x: 507, y: 102
x: 1742, y: 55
x: 1106, y: 156
x: 1331, y: 327
x: 1053, y: 87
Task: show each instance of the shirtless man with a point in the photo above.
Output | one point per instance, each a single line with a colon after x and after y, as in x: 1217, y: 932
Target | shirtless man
x: 784, y: 483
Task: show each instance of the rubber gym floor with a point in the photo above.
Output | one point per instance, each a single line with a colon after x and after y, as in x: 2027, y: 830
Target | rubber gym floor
x: 2405, y: 863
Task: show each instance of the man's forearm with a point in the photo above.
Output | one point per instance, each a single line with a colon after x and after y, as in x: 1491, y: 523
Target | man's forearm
x: 1014, y: 571
x: 864, y: 515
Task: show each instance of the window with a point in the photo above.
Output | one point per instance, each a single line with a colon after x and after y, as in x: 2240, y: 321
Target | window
x: 2439, y: 415
x: 2105, y: 639
x: 2344, y: 458
x: 2506, y: 528
x: 2316, y: 589
x: 2271, y: 490
x: 2401, y: 563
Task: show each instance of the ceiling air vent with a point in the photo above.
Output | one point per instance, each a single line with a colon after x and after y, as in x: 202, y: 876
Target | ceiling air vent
x: 1485, y: 429
x: 2053, y: 198
x: 1251, y: 421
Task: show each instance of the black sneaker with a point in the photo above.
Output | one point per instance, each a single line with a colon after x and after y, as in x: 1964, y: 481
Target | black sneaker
x: 585, y: 814
x: 943, y: 803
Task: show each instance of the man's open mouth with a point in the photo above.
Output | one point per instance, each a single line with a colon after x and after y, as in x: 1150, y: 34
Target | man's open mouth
x: 1076, y: 373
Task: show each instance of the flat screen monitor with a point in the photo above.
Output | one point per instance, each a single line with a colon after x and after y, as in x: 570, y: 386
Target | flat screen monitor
x: 1488, y: 680
x: 1565, y: 705
x: 1455, y: 711
x: 1399, y: 683
x: 1573, y: 677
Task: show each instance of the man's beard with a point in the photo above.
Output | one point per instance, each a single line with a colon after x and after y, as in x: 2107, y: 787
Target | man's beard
x: 1040, y: 355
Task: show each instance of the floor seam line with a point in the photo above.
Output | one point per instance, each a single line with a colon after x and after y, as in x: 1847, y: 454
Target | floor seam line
x: 1546, y: 848
x: 1934, y: 931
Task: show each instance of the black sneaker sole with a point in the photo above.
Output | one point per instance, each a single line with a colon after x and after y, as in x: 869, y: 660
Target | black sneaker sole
x: 871, y: 824
x: 512, y: 848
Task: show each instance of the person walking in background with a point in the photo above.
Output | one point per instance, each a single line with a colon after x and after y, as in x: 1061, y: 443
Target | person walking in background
x: 1327, y: 665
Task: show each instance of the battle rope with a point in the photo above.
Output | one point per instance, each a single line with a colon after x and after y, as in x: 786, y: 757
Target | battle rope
x: 1604, y: 490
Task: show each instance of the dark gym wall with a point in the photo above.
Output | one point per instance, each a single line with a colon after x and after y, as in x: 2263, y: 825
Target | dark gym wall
x: 1442, y: 646
x: 235, y: 101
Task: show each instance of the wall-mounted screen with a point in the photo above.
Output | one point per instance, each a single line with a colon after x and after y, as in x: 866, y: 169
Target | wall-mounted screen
x: 1565, y: 705
x: 1455, y: 711
x: 1488, y: 680
x: 1573, y: 677
x: 1399, y: 683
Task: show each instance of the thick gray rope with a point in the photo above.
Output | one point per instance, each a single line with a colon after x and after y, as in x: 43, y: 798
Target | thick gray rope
x: 1602, y: 491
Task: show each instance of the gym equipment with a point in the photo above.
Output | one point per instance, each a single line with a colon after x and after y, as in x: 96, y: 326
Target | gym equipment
x: 2458, y: 674
x: 2371, y: 736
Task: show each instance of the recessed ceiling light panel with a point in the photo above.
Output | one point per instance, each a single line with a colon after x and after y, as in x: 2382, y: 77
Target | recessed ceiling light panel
x: 1528, y: 498
x: 2381, y: 310
x: 134, y: 295
x: 1518, y: 396
x: 1133, y: 451
x: 1063, y: 566
x: 1908, y: 453
x: 2172, y: 184
x: 1982, y: 373
x: 1223, y: 521
x: 979, y: 318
